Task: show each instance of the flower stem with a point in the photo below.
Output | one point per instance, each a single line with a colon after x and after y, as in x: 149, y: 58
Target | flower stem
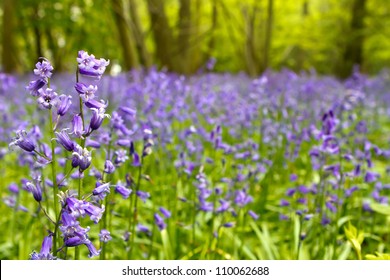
x: 135, y: 209
x: 54, y: 178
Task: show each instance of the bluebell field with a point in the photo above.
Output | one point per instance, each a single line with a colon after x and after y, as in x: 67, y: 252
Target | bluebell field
x: 155, y: 165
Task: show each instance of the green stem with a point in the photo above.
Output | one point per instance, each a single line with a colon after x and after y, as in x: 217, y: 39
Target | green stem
x: 54, y: 178
x: 77, y: 250
x: 135, y: 209
x: 299, y: 237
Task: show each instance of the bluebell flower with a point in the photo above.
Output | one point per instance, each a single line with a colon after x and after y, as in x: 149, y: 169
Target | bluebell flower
x: 65, y: 141
x: 371, y: 177
x: 35, y: 189
x: 22, y: 141
x: 123, y: 191
x: 94, y: 212
x: 47, y: 98
x: 64, y: 103
x: 253, y: 215
x: 90, y: 66
x: 43, y: 69
x: 45, y: 253
x: 101, y: 190
x: 98, y: 116
x: 81, y: 158
x: 104, y: 236
x: 77, y: 124
x: 86, y: 92
x: 36, y: 85
x: 165, y: 212
x: 143, y: 228
x: 143, y: 195
x: 159, y: 221
x: 109, y: 167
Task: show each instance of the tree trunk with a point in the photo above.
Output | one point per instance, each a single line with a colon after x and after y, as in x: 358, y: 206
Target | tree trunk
x: 162, y: 33
x: 353, y: 55
x: 214, y: 23
x: 142, y: 51
x: 130, y: 59
x: 9, y: 54
x: 268, y: 35
x: 183, y: 38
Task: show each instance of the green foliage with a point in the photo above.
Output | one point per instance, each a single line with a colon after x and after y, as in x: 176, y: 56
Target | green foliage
x: 305, y: 34
x: 378, y: 256
x: 356, y: 238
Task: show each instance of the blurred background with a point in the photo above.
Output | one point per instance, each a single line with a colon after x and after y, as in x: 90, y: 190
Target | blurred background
x: 328, y: 36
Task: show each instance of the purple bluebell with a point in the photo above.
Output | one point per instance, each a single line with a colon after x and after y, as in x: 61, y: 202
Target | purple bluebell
x: 104, y: 236
x: 81, y: 158
x: 325, y: 220
x: 22, y: 141
x: 109, y: 167
x: 43, y: 69
x: 371, y: 177
x: 94, y: 212
x: 350, y: 191
x: 159, y: 221
x: 101, y: 190
x: 143, y: 228
x: 225, y: 205
x: 93, y: 252
x: 242, y: 198
x: 75, y: 206
x: 303, y: 189
x: 93, y: 103
x: 253, y: 215
x: 290, y: 192
x: 90, y: 66
x: 136, y: 159
x: 143, y: 195
x: 128, y: 111
x: 284, y: 202
x: 64, y: 139
x: 47, y: 98
x: 45, y: 253
x: 122, y: 190
x: 13, y: 188
x: 98, y: 116
x: 330, y: 205
x: 293, y: 177
x: 64, y: 103
x: 77, y: 126
x: 366, y: 206
x: 92, y: 143
x: 165, y: 212
x: 86, y: 92
x: 228, y: 225
x: 70, y: 227
x: 35, y: 189
x: 120, y: 157
x: 35, y: 86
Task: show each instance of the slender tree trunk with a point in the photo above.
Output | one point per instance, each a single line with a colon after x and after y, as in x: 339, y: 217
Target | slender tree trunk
x: 9, y: 54
x: 353, y: 54
x: 250, y: 58
x: 142, y: 51
x: 268, y: 35
x: 125, y: 37
x: 162, y: 33
x: 214, y: 23
x: 183, y: 38
x: 37, y: 31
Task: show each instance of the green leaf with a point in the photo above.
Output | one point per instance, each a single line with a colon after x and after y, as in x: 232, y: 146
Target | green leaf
x: 381, y: 209
x: 378, y: 256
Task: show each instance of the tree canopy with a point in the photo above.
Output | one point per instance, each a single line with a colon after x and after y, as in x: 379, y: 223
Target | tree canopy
x: 330, y: 36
